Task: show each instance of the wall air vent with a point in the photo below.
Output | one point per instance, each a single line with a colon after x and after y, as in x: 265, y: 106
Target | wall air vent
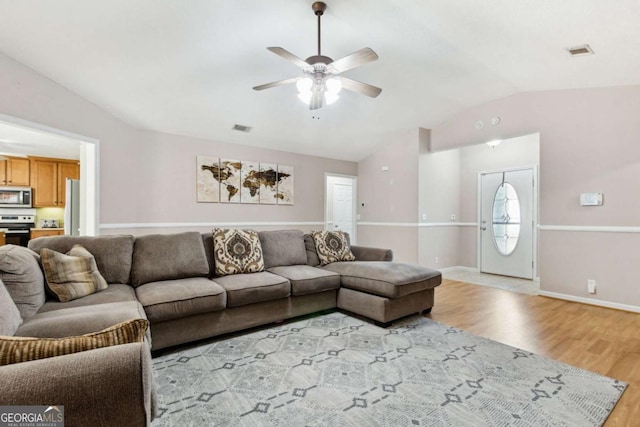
x: 242, y: 128
x: 584, y: 49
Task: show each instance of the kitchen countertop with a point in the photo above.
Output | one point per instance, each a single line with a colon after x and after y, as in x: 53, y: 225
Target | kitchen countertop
x: 48, y: 228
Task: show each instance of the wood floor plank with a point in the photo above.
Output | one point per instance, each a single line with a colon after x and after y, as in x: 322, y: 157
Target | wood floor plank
x: 599, y: 339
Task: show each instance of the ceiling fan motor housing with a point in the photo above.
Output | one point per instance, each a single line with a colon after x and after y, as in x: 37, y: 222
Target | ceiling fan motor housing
x: 319, y: 59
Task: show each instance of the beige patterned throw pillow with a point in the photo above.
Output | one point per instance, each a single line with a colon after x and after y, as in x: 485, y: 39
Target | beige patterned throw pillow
x: 332, y: 246
x: 24, y: 349
x: 73, y: 275
x: 237, y: 251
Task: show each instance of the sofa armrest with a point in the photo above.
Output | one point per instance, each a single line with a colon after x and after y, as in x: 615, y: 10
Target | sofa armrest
x: 363, y: 253
x: 107, y: 386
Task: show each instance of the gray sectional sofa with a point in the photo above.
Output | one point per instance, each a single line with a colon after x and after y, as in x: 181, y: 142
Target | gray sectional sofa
x: 169, y: 279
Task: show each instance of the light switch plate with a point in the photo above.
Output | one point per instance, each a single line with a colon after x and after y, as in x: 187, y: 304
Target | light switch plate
x: 591, y: 199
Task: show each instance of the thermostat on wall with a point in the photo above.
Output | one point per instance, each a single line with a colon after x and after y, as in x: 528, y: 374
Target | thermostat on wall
x: 591, y: 199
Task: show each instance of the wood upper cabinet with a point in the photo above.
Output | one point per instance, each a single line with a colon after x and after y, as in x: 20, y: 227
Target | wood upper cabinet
x: 48, y: 179
x: 15, y: 172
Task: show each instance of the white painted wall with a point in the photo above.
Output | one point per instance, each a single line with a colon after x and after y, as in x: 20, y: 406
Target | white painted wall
x: 147, y: 179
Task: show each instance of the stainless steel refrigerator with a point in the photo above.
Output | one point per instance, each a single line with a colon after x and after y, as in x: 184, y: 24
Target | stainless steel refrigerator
x: 72, y: 208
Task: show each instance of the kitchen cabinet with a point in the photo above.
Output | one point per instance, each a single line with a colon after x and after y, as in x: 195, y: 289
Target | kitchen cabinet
x: 48, y: 179
x: 14, y: 171
x: 41, y: 232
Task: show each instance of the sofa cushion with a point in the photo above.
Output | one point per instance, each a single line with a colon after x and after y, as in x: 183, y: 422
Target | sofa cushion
x: 10, y: 318
x: 172, y: 299
x: 332, y: 246
x: 389, y: 279
x: 112, y: 253
x: 116, y: 292
x: 21, y: 273
x: 237, y: 251
x: 308, y: 280
x: 245, y: 289
x: 73, y: 275
x: 79, y: 320
x: 168, y: 256
x: 23, y: 349
x: 312, y: 254
x: 283, y: 247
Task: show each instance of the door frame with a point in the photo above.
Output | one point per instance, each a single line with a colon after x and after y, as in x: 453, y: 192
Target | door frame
x: 89, y: 171
x: 354, y: 209
x: 536, y: 194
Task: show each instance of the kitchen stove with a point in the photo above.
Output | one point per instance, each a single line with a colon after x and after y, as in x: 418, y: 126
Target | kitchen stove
x: 17, y: 224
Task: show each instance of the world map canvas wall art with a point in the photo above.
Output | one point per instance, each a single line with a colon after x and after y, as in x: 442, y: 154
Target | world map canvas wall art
x: 285, y: 185
x: 235, y: 181
x: 268, y: 183
x: 250, y: 177
x: 208, y: 179
x: 230, y: 180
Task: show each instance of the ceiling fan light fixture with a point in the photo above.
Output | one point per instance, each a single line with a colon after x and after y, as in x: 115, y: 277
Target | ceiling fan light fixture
x: 321, y: 84
x: 330, y: 97
x: 333, y: 85
x: 305, y: 97
x: 304, y: 84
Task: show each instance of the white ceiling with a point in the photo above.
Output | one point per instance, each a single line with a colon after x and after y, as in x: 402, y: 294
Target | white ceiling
x: 187, y: 67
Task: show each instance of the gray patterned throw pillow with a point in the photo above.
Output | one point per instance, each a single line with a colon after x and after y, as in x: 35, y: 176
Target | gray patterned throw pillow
x: 332, y: 246
x: 237, y: 251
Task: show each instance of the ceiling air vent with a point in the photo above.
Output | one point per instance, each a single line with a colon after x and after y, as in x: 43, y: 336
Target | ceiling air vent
x: 242, y: 128
x: 580, y: 50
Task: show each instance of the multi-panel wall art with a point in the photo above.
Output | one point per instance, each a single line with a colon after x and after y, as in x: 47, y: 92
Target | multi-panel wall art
x: 238, y: 181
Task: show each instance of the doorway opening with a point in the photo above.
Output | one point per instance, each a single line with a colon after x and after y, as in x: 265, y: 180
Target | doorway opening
x: 35, y: 139
x: 507, y: 207
x: 341, y: 204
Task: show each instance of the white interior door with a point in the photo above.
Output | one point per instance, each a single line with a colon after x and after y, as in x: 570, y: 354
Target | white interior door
x: 343, y: 207
x: 506, y: 223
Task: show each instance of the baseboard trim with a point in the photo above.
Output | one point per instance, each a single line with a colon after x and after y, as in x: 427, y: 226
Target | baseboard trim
x: 459, y: 268
x: 600, y: 303
x: 209, y: 224
x: 477, y: 270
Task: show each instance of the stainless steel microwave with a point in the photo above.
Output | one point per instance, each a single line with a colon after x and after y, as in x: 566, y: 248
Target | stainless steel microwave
x: 15, y: 197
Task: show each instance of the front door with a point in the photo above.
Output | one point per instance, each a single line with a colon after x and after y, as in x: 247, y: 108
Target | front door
x: 507, y: 223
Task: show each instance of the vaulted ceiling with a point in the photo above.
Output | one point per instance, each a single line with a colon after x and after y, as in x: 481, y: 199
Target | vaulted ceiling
x: 188, y: 67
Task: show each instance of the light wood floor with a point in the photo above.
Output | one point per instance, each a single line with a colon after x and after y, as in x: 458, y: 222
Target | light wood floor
x: 599, y: 339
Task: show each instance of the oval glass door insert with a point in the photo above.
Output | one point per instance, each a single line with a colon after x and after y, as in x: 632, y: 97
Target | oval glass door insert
x: 506, y: 219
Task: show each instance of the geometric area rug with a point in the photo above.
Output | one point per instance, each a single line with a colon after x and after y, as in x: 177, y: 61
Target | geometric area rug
x: 337, y: 370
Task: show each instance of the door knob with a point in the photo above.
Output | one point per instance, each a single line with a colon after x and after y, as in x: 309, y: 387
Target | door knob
x: 483, y: 228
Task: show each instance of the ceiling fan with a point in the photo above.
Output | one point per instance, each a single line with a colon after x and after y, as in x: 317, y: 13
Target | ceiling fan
x: 322, y: 80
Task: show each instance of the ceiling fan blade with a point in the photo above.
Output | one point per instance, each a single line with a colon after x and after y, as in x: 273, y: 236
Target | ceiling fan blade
x: 359, y: 87
x: 283, y: 53
x: 354, y: 60
x: 274, y: 84
x: 317, y: 100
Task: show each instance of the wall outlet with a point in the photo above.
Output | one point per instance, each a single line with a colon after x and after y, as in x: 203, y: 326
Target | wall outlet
x: 436, y: 260
x: 591, y: 286
x: 424, y: 216
x: 453, y: 217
